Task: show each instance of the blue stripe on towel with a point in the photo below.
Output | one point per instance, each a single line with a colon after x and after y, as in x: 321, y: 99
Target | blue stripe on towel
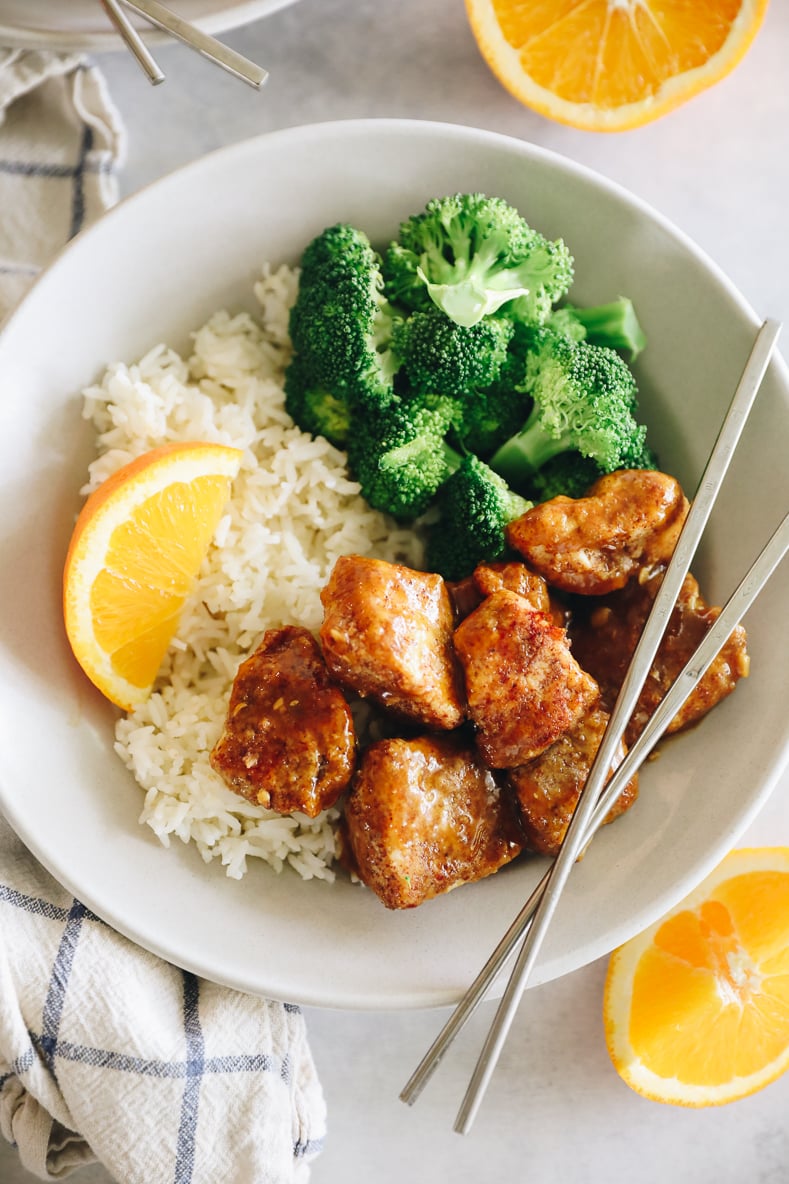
x: 33, y: 904
x: 58, y: 983
x: 78, y: 206
x: 195, y: 1065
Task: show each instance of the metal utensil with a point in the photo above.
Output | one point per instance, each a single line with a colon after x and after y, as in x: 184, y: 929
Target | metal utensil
x: 736, y: 607
x: 640, y: 665
x: 164, y: 18
x: 741, y: 404
x: 133, y: 40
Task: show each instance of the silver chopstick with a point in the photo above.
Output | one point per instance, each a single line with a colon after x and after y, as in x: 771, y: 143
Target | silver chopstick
x: 641, y: 663
x: 689, y: 677
x: 750, y: 380
x: 134, y: 41
x: 694, y: 670
x: 472, y: 998
x: 164, y: 18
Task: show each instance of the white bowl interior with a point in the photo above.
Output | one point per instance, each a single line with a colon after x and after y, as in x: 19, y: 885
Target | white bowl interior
x: 152, y: 270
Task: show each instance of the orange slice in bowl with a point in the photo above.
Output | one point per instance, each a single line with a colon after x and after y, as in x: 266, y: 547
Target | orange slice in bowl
x: 609, y: 65
x: 133, y: 558
x: 696, y: 1008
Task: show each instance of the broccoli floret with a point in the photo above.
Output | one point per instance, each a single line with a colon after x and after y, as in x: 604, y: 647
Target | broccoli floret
x: 569, y: 474
x: 584, y: 401
x: 442, y: 358
x: 639, y: 456
x: 471, y: 254
x: 476, y: 506
x: 400, y: 457
x: 615, y: 325
x: 561, y: 320
x: 487, y: 416
x: 403, y: 285
x: 471, y: 366
x: 536, y: 305
x: 313, y: 408
x: 341, y: 324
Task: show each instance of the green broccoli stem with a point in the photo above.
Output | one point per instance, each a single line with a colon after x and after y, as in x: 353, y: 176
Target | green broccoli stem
x: 526, y: 452
x: 330, y: 415
x: 479, y: 287
x: 615, y: 325
x: 419, y: 450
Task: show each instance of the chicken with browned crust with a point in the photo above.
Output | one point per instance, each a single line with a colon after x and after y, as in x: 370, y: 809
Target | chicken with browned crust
x: 523, y: 685
x: 592, y: 545
x: 516, y: 577
x: 424, y: 816
x: 288, y: 740
x: 605, y: 636
x: 387, y: 635
x: 548, y: 788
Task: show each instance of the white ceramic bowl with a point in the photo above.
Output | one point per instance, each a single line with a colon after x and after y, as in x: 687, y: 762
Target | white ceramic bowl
x: 82, y: 24
x: 153, y: 269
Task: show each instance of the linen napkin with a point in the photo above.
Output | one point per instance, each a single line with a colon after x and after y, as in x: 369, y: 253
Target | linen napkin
x: 109, y: 1053
x: 61, y: 140
x: 106, y: 1052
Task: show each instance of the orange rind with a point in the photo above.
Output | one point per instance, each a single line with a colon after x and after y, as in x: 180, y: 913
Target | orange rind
x: 133, y: 558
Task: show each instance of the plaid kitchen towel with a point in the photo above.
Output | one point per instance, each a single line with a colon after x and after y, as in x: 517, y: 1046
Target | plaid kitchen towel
x: 168, y: 1078
x: 106, y: 1052
x: 60, y: 143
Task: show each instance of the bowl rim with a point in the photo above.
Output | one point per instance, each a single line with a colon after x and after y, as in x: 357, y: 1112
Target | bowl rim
x: 231, y: 17
x: 387, y: 124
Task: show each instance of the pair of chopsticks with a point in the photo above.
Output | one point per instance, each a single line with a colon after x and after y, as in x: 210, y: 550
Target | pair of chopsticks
x: 597, y: 796
x: 163, y: 18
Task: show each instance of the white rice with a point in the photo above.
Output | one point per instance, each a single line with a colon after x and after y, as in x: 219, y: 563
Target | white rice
x: 293, y: 512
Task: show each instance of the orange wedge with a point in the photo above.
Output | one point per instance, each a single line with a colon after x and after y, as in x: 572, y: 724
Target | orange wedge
x: 609, y: 65
x: 133, y: 558
x: 696, y: 1008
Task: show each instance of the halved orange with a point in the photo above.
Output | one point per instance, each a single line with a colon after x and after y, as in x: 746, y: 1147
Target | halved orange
x: 696, y: 1008
x: 609, y: 65
x: 135, y: 552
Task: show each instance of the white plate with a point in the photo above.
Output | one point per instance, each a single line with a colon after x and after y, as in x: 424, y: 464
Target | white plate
x: 82, y: 24
x: 153, y: 269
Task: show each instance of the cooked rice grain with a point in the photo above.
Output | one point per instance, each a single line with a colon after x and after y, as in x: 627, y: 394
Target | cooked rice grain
x: 293, y: 512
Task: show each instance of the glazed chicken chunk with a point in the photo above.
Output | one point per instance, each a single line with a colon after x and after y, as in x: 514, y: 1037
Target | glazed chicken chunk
x: 524, y: 687
x: 516, y: 577
x: 468, y: 594
x: 425, y: 816
x: 593, y: 545
x: 548, y: 788
x: 387, y: 634
x: 604, y: 640
x: 288, y: 740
